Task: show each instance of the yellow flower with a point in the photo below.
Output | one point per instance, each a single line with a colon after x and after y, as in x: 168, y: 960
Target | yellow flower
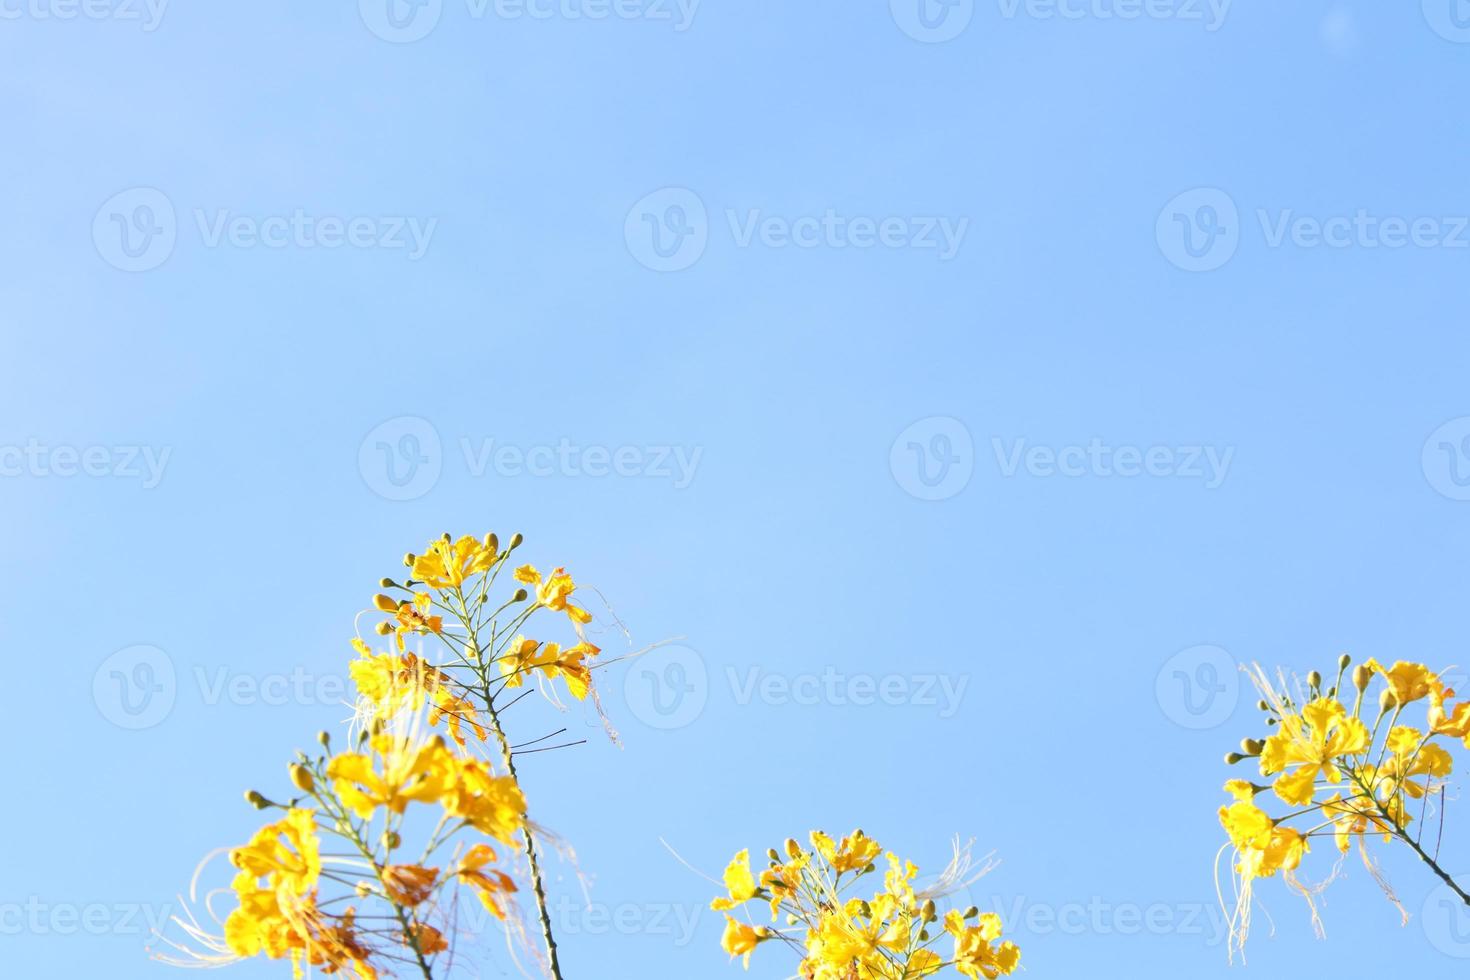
x: 555, y: 592
x: 493, y: 805
x: 739, y: 882
x: 524, y: 656
x: 409, y: 884
x: 409, y: 774
x: 1312, y: 741
x: 1456, y: 722
x: 488, y: 884
x: 974, y: 952
x: 856, y: 851
x: 428, y: 939
x: 459, y: 711
x: 1411, y: 754
x: 740, y: 939
x: 1408, y: 682
x: 1264, y: 847
x: 447, y: 566
x: 286, y: 852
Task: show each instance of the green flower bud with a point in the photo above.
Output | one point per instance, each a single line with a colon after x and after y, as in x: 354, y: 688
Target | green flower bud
x: 1362, y: 676
x: 1251, y: 746
x: 256, y: 800
x: 387, y: 583
x: 1232, y: 758
x: 301, y: 778
x: 1343, y: 661
x: 515, y: 541
x: 409, y: 559
x: 520, y: 596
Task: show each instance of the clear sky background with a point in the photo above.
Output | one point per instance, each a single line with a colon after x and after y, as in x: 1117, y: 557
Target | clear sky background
x: 906, y: 456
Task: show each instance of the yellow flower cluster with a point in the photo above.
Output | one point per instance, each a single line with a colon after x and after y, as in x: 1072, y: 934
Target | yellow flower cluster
x: 840, y: 936
x: 295, y: 900
x: 1336, y: 774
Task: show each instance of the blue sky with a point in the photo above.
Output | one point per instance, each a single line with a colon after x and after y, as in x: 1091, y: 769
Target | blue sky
x: 968, y: 393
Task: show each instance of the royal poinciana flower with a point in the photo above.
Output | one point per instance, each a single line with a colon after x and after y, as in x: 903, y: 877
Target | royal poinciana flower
x: 823, y: 908
x: 412, y: 815
x: 1340, y: 768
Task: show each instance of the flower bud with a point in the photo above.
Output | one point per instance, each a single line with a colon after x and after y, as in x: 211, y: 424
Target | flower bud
x: 1343, y: 661
x: 1263, y: 705
x: 492, y: 544
x: 409, y: 559
x: 1314, y: 679
x: 1232, y: 758
x: 775, y: 857
x: 383, y: 629
x: 927, y: 912
x: 325, y: 739
x: 520, y: 596
x: 793, y: 849
x: 387, y: 583
x: 301, y: 778
x: 924, y: 935
x: 865, y: 909
x: 385, y: 603
x: 256, y: 800
x: 1386, y: 700
x: 971, y: 912
x: 1251, y: 746
x: 391, y: 840
x: 515, y: 541
x: 1362, y: 676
